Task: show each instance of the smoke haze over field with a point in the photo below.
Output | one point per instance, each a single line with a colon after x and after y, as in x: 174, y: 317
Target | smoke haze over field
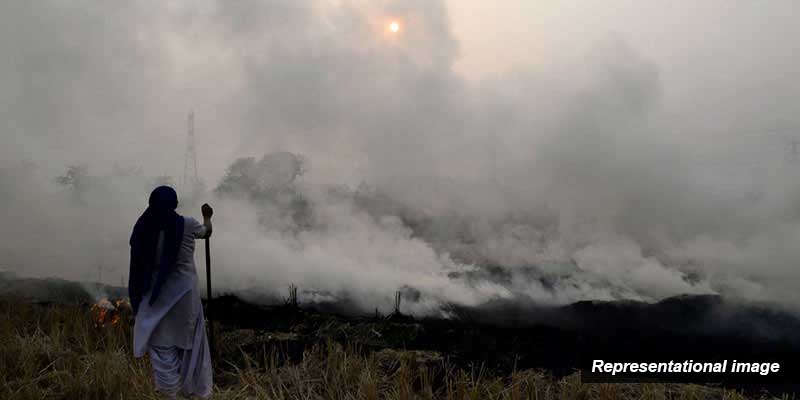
x: 618, y: 157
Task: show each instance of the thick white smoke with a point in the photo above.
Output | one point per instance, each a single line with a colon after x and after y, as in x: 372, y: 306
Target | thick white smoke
x: 550, y: 183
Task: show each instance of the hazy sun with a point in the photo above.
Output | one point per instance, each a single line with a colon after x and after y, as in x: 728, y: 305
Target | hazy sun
x: 394, y: 27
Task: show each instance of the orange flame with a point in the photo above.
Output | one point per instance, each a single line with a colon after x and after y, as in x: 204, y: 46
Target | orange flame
x: 106, y: 312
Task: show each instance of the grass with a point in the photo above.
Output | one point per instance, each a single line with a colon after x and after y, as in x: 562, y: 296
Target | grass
x: 56, y: 352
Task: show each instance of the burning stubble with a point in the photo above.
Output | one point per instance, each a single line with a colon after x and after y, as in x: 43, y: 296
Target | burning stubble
x: 107, y: 312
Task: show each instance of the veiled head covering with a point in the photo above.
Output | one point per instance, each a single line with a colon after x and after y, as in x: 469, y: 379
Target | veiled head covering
x: 148, y: 270
x: 163, y: 199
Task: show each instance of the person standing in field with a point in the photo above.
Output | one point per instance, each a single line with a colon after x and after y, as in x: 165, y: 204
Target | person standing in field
x: 169, y: 323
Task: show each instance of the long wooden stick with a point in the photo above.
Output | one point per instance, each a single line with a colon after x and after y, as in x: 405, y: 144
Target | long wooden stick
x: 208, y: 302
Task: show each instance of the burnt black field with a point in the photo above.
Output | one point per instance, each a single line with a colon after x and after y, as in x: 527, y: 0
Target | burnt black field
x: 505, y: 336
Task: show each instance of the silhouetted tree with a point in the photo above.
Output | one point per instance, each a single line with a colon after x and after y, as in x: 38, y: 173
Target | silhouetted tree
x: 75, y: 180
x: 272, y: 179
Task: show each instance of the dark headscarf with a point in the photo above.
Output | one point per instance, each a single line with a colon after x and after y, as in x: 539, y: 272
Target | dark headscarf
x: 159, y: 216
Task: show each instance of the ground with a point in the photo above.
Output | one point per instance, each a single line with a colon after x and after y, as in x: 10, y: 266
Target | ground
x: 50, y: 351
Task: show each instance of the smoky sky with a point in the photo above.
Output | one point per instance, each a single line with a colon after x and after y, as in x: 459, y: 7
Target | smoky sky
x: 596, y: 164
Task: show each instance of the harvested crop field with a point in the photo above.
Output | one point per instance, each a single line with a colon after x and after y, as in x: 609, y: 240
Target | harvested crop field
x: 50, y: 351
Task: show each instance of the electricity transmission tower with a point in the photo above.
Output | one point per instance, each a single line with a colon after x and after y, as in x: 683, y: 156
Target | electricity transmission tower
x: 191, y: 182
x: 795, y: 150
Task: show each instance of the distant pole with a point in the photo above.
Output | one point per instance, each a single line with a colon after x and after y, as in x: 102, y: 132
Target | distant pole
x: 190, y: 176
x: 795, y: 150
x: 208, y: 302
x: 397, y: 299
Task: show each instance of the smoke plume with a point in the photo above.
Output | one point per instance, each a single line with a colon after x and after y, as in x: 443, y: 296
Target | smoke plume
x: 355, y: 163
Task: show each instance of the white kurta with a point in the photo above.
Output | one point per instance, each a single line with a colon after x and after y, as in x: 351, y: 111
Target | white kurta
x: 172, y: 330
